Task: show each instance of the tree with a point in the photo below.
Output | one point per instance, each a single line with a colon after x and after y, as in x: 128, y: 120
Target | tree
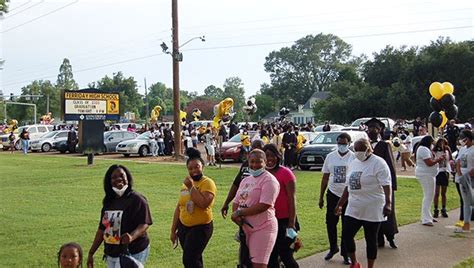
x: 264, y: 106
x: 130, y: 99
x: 159, y: 94
x: 205, y: 104
x: 65, y: 78
x: 4, y: 6
x: 213, y: 92
x: 311, y: 64
x: 234, y: 88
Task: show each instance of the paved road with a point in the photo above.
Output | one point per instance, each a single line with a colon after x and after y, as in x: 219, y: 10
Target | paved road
x: 419, y: 246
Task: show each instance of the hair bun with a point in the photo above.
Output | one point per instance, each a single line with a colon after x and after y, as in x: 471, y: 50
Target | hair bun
x: 193, y: 153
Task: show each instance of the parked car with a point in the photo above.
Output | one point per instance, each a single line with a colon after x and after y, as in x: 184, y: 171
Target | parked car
x: 114, y: 137
x: 140, y: 145
x: 62, y: 147
x: 231, y: 149
x: 36, y: 131
x: 314, y: 154
x: 45, y: 142
x: 333, y: 128
x: 389, y: 123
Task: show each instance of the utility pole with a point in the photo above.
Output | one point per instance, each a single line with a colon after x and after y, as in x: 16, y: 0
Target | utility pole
x: 147, y: 111
x: 176, y: 106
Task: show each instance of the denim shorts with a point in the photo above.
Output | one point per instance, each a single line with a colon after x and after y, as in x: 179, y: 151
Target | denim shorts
x: 140, y: 257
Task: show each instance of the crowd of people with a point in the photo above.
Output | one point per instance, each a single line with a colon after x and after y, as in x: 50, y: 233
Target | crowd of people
x: 358, y: 187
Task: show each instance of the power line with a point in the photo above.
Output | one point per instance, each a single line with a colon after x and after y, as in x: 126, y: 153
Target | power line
x: 39, y: 17
x: 243, y: 45
x: 21, y: 11
x: 24, y: 4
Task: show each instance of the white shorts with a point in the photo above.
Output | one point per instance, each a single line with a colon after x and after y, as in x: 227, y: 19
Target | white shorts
x: 210, y: 150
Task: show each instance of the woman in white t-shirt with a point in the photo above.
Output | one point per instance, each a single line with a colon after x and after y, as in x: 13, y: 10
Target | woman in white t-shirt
x: 369, y: 195
x: 334, y: 171
x: 464, y: 176
x: 426, y: 171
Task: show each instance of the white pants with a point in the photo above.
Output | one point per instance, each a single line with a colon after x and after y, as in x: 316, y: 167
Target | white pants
x: 428, y: 184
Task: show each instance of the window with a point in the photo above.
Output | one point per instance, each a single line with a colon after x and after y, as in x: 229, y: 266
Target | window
x: 32, y: 130
x: 129, y: 135
x: 61, y: 135
x: 42, y: 129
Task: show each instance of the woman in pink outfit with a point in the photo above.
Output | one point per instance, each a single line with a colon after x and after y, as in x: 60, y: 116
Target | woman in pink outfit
x: 253, y: 209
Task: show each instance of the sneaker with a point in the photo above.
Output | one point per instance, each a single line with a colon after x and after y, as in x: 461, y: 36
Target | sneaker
x: 459, y: 224
x: 461, y: 231
x: 444, y: 213
x: 436, y: 213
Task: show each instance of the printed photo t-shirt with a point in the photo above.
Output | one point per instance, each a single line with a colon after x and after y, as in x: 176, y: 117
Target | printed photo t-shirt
x: 364, y: 183
x: 337, y: 166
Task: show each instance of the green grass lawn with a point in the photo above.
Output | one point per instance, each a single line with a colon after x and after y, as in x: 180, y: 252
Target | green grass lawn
x: 47, y: 201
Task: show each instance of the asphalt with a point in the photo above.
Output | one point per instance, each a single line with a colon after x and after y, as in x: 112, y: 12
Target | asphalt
x: 418, y: 246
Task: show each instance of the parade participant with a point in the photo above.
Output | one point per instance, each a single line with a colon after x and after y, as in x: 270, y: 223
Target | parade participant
x: 25, y: 140
x: 464, y: 175
x: 334, y: 170
x: 254, y: 206
x: 70, y: 256
x: 452, y: 134
x: 243, y: 172
x: 326, y: 127
x: 405, y: 151
x: 285, y: 209
x: 368, y: 197
x: 289, y: 144
x: 192, y: 220
x: 383, y: 149
x: 124, y: 220
x: 11, y: 141
x: 209, y: 145
x: 245, y: 140
x: 425, y: 171
x: 442, y: 178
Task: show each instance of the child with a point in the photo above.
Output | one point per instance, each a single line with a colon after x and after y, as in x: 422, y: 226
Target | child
x: 11, y: 140
x: 70, y: 255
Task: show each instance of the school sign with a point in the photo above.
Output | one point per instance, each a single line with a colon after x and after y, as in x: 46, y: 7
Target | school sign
x: 90, y: 104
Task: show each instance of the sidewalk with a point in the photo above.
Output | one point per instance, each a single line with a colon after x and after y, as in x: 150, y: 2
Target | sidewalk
x: 418, y: 246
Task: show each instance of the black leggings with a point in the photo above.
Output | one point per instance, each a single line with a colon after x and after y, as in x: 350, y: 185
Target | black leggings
x: 461, y: 213
x: 193, y: 241
x: 282, y: 248
x: 350, y: 229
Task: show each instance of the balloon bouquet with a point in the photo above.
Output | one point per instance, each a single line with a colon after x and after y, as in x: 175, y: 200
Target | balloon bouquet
x: 182, y: 117
x: 47, y: 119
x: 250, y: 108
x: 155, y: 114
x: 283, y: 113
x: 196, y: 114
x: 223, y: 113
x: 442, y: 102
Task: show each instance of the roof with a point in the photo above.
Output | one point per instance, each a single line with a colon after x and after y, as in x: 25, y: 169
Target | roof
x: 271, y: 115
x: 318, y: 95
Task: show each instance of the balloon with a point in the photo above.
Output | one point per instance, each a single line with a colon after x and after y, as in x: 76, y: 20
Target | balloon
x: 447, y: 101
x: 452, y: 112
x: 155, y: 113
x: 182, y: 117
x: 223, y: 112
x: 435, y: 105
x: 436, y: 119
x: 448, y: 88
x: 436, y: 90
x: 445, y: 119
x: 251, y: 107
x: 196, y: 114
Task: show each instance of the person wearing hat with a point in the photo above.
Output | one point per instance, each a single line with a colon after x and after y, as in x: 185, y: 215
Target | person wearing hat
x: 381, y: 148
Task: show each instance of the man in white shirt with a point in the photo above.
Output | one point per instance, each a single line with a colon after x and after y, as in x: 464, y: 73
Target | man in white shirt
x: 334, y: 171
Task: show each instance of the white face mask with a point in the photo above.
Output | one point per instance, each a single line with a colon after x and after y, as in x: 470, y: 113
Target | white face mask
x: 343, y: 148
x: 120, y: 192
x: 362, y: 156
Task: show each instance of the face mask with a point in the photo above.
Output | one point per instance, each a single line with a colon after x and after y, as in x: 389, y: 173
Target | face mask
x: 120, y: 192
x: 462, y: 142
x: 196, y: 177
x: 361, y: 156
x: 343, y: 148
x: 256, y: 172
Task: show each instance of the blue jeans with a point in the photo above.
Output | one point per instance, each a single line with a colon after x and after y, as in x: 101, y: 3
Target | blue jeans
x: 140, y: 256
x: 25, y: 144
x: 161, y: 148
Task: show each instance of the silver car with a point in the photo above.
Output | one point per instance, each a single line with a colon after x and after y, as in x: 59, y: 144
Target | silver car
x: 114, y: 137
x: 46, y: 142
x: 140, y: 145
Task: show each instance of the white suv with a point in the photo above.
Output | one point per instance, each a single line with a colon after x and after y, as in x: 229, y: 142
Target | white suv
x: 35, y: 131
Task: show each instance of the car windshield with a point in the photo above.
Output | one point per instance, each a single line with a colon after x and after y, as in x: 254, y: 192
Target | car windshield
x: 49, y: 134
x: 236, y: 138
x: 326, y: 138
x: 358, y: 122
x: 144, y: 136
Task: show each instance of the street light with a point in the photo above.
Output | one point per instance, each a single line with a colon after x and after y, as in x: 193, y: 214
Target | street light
x: 176, y: 54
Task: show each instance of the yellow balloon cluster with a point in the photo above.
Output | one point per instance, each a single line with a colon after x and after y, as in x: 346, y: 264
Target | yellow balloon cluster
x: 438, y: 90
x: 196, y: 114
x: 155, y: 113
x: 223, y: 111
x: 182, y: 117
x: 12, y: 126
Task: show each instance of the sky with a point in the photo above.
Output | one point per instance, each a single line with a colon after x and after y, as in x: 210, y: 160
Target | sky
x: 102, y: 37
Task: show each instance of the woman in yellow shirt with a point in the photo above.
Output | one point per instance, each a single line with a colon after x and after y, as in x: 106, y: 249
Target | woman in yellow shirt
x: 192, y: 220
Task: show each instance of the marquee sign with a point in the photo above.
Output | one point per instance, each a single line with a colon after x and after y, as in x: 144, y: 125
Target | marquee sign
x: 91, y: 104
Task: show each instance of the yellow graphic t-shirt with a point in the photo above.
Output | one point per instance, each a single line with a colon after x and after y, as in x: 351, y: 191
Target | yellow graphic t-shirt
x: 189, y: 213
x: 245, y: 139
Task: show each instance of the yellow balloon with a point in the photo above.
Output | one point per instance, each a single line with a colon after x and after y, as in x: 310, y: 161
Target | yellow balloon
x: 182, y: 117
x: 448, y: 88
x: 445, y: 119
x: 436, y: 90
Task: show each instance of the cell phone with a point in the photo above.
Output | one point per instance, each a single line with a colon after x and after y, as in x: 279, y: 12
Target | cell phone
x: 175, y: 244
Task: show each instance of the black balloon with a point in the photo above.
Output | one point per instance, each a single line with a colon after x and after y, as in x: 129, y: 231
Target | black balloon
x: 451, y: 112
x: 447, y: 101
x: 435, y: 105
x: 436, y: 119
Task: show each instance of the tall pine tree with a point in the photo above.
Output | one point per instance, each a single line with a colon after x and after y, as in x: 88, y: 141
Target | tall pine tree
x: 65, y: 78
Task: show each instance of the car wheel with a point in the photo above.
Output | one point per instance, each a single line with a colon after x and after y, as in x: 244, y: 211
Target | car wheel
x: 46, y: 147
x: 143, y: 151
x: 126, y: 155
x: 63, y: 152
x: 17, y: 145
x: 34, y: 151
x: 304, y: 167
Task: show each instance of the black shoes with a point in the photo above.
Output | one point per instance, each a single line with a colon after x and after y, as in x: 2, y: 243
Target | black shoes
x: 443, y: 213
x: 392, y: 244
x: 436, y: 213
x: 347, y: 261
x: 331, y: 254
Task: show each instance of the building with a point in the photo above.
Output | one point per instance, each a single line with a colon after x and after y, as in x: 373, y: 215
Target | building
x: 304, y: 114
